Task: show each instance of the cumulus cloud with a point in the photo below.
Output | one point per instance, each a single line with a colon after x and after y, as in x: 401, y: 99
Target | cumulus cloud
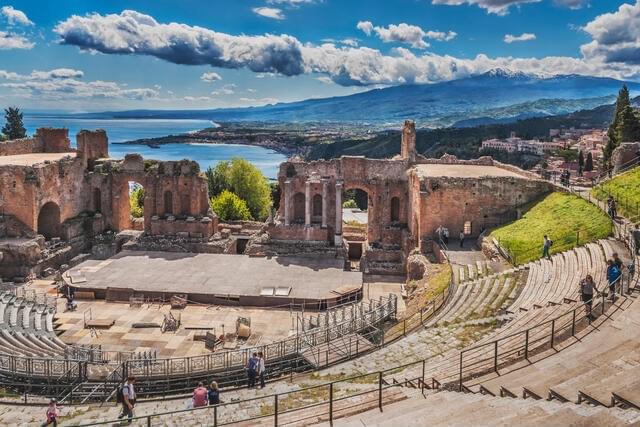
x: 210, y: 77
x: 225, y: 90
x: 405, y: 33
x: 499, y: 7
x: 269, y: 12
x: 524, y: 37
x: 270, y: 55
x: 14, y: 41
x: 131, y: 32
x: 196, y: 98
x: 63, y: 83
x: 616, y: 36
x: 15, y: 16
x: 571, y: 4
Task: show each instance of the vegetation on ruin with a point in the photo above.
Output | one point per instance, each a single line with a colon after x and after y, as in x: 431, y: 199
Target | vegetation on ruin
x: 625, y: 188
x: 350, y: 204
x: 136, y: 202
x: 14, y: 127
x: 229, y: 207
x: 567, y: 219
x: 625, y: 125
x: 246, y: 181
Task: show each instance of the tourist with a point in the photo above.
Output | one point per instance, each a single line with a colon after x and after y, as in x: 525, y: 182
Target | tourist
x: 613, y: 277
x: 213, y: 396
x: 445, y: 233
x: 200, y: 396
x: 611, y: 207
x: 546, y: 246
x: 261, y: 369
x: 252, y: 369
x: 636, y: 238
x: 587, y: 288
x: 52, y: 414
x: 128, y: 398
x: 461, y: 238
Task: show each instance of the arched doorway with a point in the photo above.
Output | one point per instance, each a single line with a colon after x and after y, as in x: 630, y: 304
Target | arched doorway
x: 49, y: 220
x: 136, y: 199
x: 298, y: 207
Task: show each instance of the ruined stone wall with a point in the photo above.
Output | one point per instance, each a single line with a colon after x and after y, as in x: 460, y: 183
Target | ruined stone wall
x: 20, y: 146
x: 485, y: 202
x: 46, y: 140
x: 92, y: 146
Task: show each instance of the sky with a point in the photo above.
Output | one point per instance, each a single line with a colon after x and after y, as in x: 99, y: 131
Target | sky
x: 98, y: 55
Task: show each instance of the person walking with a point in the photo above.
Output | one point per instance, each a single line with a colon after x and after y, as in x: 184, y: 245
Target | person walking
x: 461, y: 238
x: 261, y: 369
x: 587, y: 288
x: 200, y: 396
x: 213, y: 396
x: 635, y: 234
x: 252, y: 369
x: 128, y: 398
x: 546, y: 246
x: 52, y: 414
x: 613, y: 277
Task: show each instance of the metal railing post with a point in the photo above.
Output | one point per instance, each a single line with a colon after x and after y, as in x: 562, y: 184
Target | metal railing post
x: 331, y: 404
x: 380, y: 391
x: 495, y: 356
x: 603, y: 301
x: 149, y: 421
x: 573, y: 323
x: 275, y: 410
x: 526, y: 344
x: 215, y: 416
x: 553, y: 331
x: 460, y: 386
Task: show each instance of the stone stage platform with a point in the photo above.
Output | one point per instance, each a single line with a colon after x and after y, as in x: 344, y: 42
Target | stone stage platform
x: 218, y: 279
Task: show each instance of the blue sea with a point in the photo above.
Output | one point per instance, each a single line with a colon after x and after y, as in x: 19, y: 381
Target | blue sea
x: 120, y: 130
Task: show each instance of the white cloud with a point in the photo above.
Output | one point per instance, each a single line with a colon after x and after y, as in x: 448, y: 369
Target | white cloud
x: 324, y: 79
x: 292, y: 2
x: 349, y: 42
x: 15, y: 16
x: 405, y: 33
x: 524, y: 37
x: 499, y: 7
x: 63, y: 83
x: 269, y: 55
x: 269, y: 12
x: 196, y: 98
x: 225, y: 90
x: 258, y: 101
x: 210, y: 77
x: 14, y: 41
x: 572, y: 4
x: 616, y: 36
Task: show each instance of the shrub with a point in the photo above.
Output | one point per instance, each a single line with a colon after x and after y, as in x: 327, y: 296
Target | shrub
x: 229, y: 207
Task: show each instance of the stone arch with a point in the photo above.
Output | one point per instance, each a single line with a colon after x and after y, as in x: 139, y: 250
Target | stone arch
x: 97, y: 200
x: 298, y: 207
x: 395, y: 209
x: 316, y: 211
x: 168, y: 203
x: 49, y: 220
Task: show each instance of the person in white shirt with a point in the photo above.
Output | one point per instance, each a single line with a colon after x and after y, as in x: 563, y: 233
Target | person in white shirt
x: 128, y: 398
x: 261, y: 369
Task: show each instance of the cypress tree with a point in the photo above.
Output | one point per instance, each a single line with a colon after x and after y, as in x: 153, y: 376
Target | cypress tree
x: 580, y: 162
x: 588, y: 166
x: 628, y: 129
x: 14, y: 128
x: 622, y: 103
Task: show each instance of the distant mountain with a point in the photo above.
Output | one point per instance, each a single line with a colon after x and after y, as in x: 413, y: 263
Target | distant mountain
x: 496, y: 96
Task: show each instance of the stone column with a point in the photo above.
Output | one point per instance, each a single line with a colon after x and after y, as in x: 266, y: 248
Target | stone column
x: 287, y: 202
x: 325, y: 189
x: 307, y: 204
x: 338, y: 232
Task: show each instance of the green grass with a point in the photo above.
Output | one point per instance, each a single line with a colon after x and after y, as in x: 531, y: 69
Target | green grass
x: 565, y: 218
x: 625, y: 188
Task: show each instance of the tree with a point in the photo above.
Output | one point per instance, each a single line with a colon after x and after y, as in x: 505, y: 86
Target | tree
x: 350, y: 204
x: 136, y: 202
x: 628, y: 129
x: 14, y: 128
x: 230, y: 207
x: 580, y: 162
x: 622, y: 102
x: 246, y: 181
x: 275, y: 193
x: 588, y: 166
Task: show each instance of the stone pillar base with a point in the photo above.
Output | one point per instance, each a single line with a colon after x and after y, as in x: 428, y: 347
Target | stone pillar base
x: 338, y: 239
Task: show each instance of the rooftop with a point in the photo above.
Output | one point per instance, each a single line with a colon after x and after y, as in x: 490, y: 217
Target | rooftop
x: 463, y: 171
x: 32, y: 159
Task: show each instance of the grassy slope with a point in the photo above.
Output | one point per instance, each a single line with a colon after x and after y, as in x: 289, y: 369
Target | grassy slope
x: 625, y: 189
x: 558, y: 215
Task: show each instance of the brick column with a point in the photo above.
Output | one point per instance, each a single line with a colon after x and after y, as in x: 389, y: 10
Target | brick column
x: 338, y: 232
x: 325, y: 189
x: 307, y: 204
x: 287, y: 202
